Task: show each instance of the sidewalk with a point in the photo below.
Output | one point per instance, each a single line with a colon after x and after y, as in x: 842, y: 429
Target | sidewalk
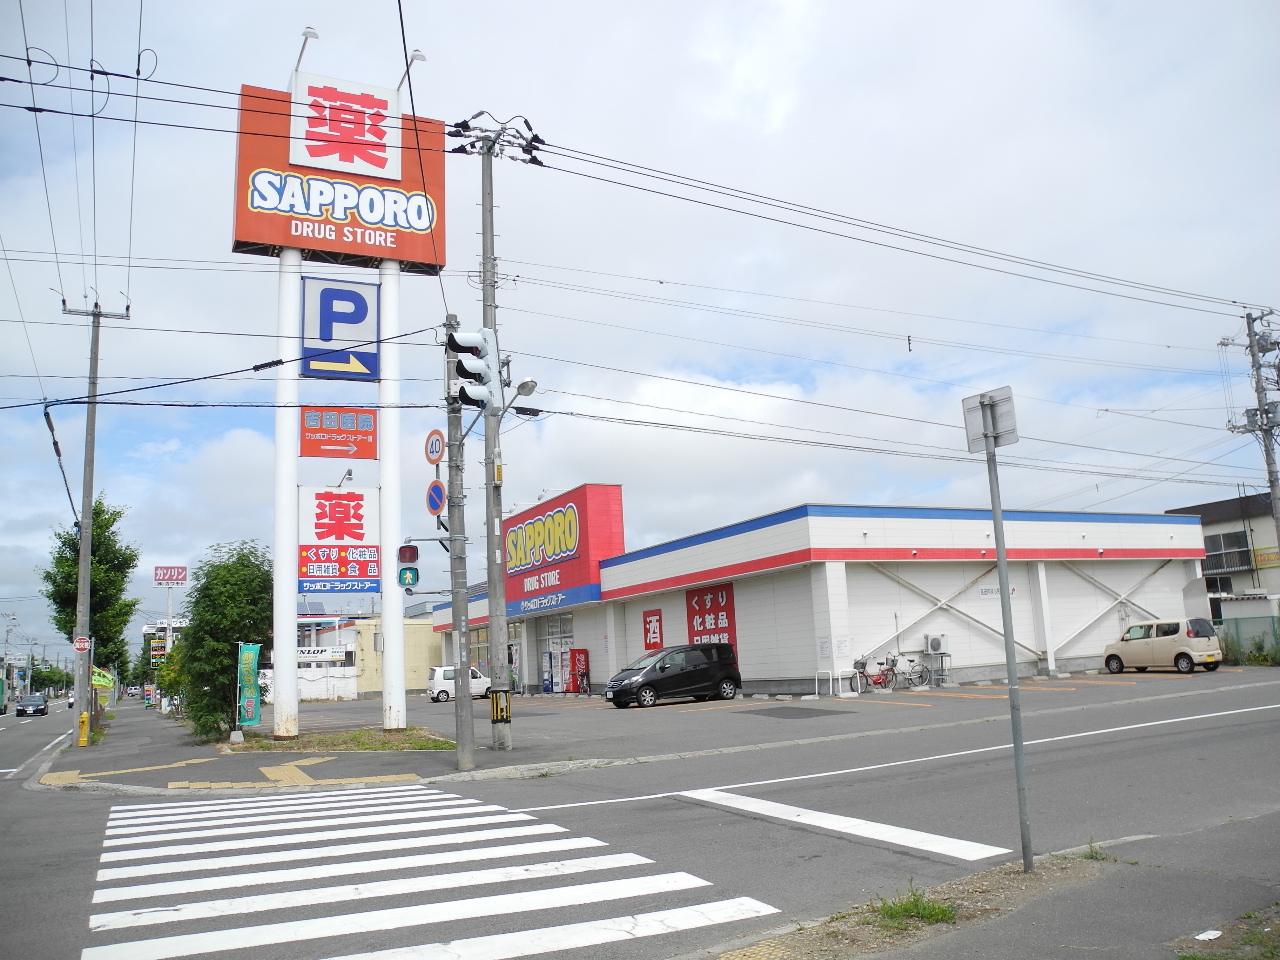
x: 146, y: 753
x: 1147, y: 903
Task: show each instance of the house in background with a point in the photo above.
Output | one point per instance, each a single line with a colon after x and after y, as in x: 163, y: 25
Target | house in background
x: 1241, y: 554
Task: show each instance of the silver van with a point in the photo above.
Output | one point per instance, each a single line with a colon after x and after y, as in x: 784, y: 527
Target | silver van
x: 1181, y: 644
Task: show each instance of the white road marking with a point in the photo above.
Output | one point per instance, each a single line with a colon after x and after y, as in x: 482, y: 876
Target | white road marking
x: 26, y: 721
x: 8, y: 770
x: 185, y: 945
x: 524, y: 943
x: 325, y: 871
x: 282, y: 800
x: 309, y: 853
x: 901, y: 836
x: 902, y: 763
x: 450, y: 806
x: 416, y: 815
x: 35, y: 756
x: 250, y: 808
x: 235, y: 906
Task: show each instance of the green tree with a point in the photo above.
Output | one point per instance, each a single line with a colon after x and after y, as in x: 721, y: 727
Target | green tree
x: 228, y: 602
x: 113, y: 561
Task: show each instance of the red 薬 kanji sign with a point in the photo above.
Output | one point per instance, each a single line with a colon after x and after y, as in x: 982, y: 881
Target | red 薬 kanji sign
x: 338, y: 534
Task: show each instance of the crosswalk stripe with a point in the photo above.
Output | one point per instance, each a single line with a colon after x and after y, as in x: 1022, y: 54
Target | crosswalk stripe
x: 524, y: 943
x: 281, y: 799
x: 253, y: 809
x: 315, y: 853
x: 235, y: 906
x: 226, y: 881
x: 961, y: 849
x: 243, y: 821
x: 185, y: 945
x: 310, y: 824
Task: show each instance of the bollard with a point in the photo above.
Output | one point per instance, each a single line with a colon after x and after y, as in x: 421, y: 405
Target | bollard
x: 500, y: 716
x: 84, y: 729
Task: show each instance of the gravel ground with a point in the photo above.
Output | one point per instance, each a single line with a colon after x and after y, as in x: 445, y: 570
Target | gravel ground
x: 977, y: 898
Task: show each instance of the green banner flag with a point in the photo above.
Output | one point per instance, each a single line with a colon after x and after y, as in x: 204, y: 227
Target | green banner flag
x: 100, y: 678
x: 250, y: 694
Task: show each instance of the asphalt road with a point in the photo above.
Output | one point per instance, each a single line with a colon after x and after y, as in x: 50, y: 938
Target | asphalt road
x: 24, y: 740
x: 701, y: 850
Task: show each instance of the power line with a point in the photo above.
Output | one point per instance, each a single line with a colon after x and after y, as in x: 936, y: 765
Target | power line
x: 636, y: 169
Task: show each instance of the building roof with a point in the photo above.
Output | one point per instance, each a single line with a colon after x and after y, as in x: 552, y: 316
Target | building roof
x: 1237, y: 508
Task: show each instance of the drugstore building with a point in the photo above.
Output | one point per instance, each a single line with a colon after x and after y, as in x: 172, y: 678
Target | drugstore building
x: 804, y: 592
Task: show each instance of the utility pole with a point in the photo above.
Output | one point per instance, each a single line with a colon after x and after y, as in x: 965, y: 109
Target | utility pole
x: 83, y: 598
x: 1266, y: 418
x: 464, y: 728
x: 493, y: 411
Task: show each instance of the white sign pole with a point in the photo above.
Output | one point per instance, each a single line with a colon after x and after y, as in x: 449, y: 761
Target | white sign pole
x: 284, y: 618
x: 393, y: 675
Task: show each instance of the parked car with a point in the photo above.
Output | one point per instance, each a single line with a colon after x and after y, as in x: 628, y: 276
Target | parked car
x: 32, y: 704
x: 133, y: 691
x: 1165, y: 643
x: 703, y: 671
x: 440, y: 685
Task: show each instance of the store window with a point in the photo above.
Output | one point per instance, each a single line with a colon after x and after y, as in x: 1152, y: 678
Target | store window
x: 553, y: 636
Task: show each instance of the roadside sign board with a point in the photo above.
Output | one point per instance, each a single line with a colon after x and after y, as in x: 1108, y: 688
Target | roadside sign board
x: 1006, y: 426
x: 170, y: 576
x: 348, y: 433
x: 357, y: 181
x: 339, y: 329
x: 436, y: 498
x: 81, y: 644
x: 338, y: 534
x: 434, y: 447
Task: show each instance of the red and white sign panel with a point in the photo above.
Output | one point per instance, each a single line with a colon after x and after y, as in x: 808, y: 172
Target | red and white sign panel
x: 170, y: 576
x: 352, y: 128
x: 81, y: 644
x: 652, y: 629
x: 346, y: 432
x: 341, y: 174
x: 338, y: 534
x: 711, y: 615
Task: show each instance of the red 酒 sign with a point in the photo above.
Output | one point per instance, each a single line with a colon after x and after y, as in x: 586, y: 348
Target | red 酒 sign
x: 353, y: 176
x: 652, y: 629
x: 711, y: 615
x: 346, y: 432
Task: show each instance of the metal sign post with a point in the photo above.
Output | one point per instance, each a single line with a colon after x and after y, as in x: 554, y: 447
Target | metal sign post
x: 990, y: 423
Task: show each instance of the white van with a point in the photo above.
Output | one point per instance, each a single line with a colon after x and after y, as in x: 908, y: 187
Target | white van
x: 440, y: 686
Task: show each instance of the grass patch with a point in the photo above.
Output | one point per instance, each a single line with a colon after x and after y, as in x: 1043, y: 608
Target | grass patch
x: 1095, y: 852
x: 415, y: 738
x: 904, y: 912
x: 1255, y: 936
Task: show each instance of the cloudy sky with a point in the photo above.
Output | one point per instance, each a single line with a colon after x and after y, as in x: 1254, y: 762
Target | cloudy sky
x: 1132, y: 140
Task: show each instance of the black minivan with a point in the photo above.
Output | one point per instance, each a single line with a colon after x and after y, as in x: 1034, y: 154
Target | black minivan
x: 702, y: 671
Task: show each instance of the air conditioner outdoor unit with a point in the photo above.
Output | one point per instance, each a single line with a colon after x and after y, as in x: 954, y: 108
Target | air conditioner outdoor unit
x: 936, y: 643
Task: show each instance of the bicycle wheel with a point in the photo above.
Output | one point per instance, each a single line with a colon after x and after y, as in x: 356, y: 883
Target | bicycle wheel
x: 858, y: 683
x: 920, y: 675
x: 889, y: 678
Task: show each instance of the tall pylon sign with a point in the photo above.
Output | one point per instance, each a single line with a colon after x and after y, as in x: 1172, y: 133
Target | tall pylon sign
x: 331, y: 171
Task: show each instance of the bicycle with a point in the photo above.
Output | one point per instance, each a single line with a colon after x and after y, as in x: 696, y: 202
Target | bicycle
x: 915, y: 674
x: 861, y: 681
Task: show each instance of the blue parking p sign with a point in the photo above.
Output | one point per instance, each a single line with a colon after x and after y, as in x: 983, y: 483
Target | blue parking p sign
x: 340, y: 325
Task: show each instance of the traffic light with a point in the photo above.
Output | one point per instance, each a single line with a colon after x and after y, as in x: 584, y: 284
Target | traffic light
x: 477, y: 367
x: 408, y: 555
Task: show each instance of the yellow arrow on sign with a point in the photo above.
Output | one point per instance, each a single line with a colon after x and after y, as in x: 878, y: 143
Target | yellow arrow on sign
x: 353, y: 365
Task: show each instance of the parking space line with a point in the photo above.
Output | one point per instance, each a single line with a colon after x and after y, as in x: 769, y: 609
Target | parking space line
x: 901, y: 836
x: 966, y: 696
x: 719, y: 706
x: 898, y: 703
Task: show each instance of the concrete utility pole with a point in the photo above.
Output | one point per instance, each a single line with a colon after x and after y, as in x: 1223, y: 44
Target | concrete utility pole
x: 284, y: 573
x: 493, y: 411
x: 464, y: 728
x: 85, y: 568
x: 394, y: 709
x: 1268, y: 416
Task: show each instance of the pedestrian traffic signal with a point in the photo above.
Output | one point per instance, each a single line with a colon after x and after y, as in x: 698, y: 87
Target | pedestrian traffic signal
x: 477, y: 367
x: 408, y: 554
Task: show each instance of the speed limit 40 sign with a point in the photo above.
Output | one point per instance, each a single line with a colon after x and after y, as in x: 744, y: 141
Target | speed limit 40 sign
x: 434, y: 447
